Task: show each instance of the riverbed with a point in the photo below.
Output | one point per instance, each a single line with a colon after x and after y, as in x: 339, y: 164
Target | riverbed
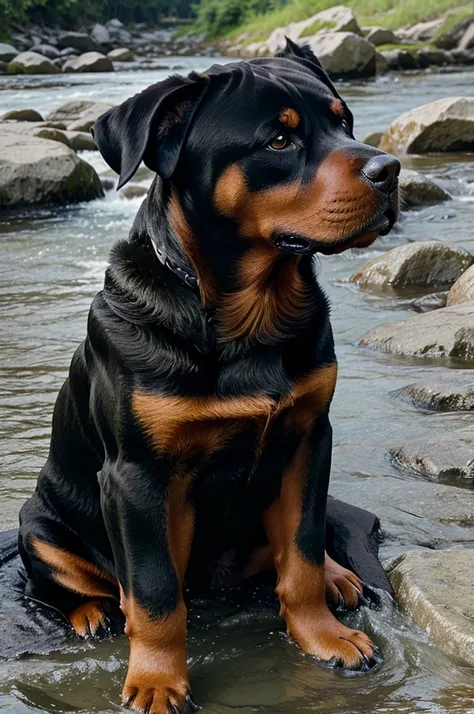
x: 52, y: 265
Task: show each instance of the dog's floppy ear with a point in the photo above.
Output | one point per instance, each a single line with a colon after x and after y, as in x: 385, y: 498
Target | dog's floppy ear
x: 150, y: 127
x: 305, y: 55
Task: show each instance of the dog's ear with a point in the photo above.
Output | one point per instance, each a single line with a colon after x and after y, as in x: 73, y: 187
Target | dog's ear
x: 150, y: 127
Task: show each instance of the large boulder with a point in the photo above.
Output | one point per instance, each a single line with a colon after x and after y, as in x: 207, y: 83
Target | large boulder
x: 344, y: 54
x: 89, y: 62
x: 79, y: 115
x: 47, y: 51
x: 79, y: 41
x: 418, y: 190
x: 463, y: 289
x: 400, y: 59
x: 22, y: 115
x: 447, y: 392
x: 443, y: 125
x: 429, y: 263
x: 7, y: 52
x: 444, y: 333
x: 381, y: 36
x: 100, y: 34
x: 445, y: 460
x: 38, y: 171
x: 435, y: 589
x: 32, y: 63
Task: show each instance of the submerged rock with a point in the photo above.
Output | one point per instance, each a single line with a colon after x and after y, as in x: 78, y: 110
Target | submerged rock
x: 435, y: 588
x: 418, y: 190
x: 422, y: 263
x: 32, y: 63
x: 437, y: 459
x: 432, y: 301
x: 39, y: 171
x: 443, y: 125
x: 448, y: 332
x: 463, y: 289
x: 89, y: 62
x: 344, y: 54
x: 449, y: 392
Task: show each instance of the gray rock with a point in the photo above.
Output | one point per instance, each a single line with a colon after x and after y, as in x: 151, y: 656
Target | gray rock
x: 467, y: 40
x: 47, y: 51
x: 422, y: 31
x: 444, y: 333
x: 121, y: 54
x: 3, y: 67
x: 418, y: 190
x: 100, y: 34
x: 7, y: 52
x: 437, y: 459
x: 113, y: 23
x: 373, y: 139
x: 38, y: 171
x: 427, y: 263
x: 463, y: 288
x: 31, y: 63
x: 344, y: 54
x: 399, y: 59
x: 432, y: 301
x: 435, y: 589
x: 108, y: 184
x: 79, y: 41
x: 51, y: 134
x: 447, y: 392
x: 381, y: 64
x: 381, y: 36
x: 133, y: 191
x: 89, y: 62
x: 463, y: 57
x: 78, y: 112
x: 22, y: 115
x: 69, y: 52
x: 450, y: 39
x: 438, y: 58
x: 443, y: 125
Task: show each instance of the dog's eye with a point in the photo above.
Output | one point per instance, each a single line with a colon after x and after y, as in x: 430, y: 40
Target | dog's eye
x: 346, y: 127
x: 279, y: 142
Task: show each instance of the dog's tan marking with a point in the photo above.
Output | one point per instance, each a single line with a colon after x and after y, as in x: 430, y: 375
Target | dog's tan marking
x: 290, y: 118
x: 87, y: 619
x: 313, y: 394
x: 337, y: 107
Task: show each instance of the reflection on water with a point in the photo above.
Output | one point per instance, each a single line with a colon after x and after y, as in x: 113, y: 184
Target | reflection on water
x: 52, y: 265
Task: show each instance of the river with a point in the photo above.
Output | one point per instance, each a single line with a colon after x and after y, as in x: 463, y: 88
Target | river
x: 52, y: 264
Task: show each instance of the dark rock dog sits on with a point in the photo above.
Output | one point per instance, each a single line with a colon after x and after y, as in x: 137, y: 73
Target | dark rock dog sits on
x: 192, y: 437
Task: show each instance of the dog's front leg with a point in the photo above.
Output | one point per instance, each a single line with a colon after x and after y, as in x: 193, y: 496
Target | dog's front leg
x: 150, y: 522
x: 295, y: 526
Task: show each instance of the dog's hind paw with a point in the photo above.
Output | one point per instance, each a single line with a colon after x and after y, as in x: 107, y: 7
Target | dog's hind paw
x: 90, y: 620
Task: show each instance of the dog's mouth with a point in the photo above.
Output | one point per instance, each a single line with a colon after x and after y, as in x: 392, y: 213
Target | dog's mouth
x: 300, y: 245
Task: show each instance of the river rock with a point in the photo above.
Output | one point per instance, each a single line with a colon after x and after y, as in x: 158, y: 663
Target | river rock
x: 373, y: 139
x: 435, y: 589
x: 381, y: 64
x: 432, y: 301
x: 418, y: 190
x: 78, y: 114
x: 448, y: 332
x: 100, y: 34
x: 7, y: 52
x: 344, y: 54
x: 133, y: 191
x: 443, y: 125
x: 32, y: 63
x: 381, y: 36
x: 52, y: 134
x: 47, y: 51
x: 22, y: 115
x: 437, y: 459
x: 449, y: 40
x: 422, y: 31
x: 89, y: 62
x: 121, y: 54
x: 399, y: 59
x: 338, y: 18
x: 38, y: 171
x: 438, y: 58
x: 467, y: 40
x: 422, y: 263
x: 447, y: 392
x: 69, y: 52
x: 80, y: 140
x: 463, y: 288
x: 79, y: 41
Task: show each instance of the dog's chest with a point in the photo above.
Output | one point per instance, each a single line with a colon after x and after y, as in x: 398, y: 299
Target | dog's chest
x: 183, y: 426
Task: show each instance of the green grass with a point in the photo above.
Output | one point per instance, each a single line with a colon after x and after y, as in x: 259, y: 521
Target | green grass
x: 410, y: 47
x: 390, y: 14
x: 316, y: 27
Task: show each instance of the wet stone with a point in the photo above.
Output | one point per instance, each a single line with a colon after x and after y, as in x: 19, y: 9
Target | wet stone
x: 443, y: 460
x: 451, y: 392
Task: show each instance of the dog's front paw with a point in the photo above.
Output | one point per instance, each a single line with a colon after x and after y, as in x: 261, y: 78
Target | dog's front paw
x: 157, y: 693
x: 90, y: 620
x: 343, y: 588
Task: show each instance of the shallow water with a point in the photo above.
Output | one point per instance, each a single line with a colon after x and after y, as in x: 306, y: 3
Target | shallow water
x: 52, y: 265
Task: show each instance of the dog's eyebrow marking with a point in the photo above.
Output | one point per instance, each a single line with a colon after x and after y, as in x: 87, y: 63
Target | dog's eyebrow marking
x: 290, y: 118
x: 337, y: 107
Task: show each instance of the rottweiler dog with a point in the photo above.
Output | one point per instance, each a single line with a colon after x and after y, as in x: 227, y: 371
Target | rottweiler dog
x: 191, y: 440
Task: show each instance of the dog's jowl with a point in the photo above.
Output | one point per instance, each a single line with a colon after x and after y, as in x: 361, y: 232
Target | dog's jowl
x: 195, y: 420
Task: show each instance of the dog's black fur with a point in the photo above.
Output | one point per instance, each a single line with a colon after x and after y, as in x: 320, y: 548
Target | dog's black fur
x: 192, y: 436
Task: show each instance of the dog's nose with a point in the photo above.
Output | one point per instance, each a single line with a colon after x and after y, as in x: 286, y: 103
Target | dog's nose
x: 382, y: 171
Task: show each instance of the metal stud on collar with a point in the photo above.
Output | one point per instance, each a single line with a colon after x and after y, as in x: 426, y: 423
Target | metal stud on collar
x: 189, y: 279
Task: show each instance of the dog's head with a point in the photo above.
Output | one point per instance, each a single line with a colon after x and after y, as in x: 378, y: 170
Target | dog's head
x: 264, y: 147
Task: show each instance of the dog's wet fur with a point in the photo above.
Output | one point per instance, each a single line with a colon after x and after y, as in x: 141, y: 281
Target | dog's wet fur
x: 191, y: 440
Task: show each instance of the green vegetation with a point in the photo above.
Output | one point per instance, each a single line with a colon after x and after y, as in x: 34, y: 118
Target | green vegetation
x: 258, y: 18
x: 452, y: 18
x: 316, y: 27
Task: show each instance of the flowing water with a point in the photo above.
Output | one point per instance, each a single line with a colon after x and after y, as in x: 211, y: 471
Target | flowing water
x: 52, y: 265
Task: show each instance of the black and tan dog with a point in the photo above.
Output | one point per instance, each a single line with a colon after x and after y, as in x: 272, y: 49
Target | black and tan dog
x: 193, y: 428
